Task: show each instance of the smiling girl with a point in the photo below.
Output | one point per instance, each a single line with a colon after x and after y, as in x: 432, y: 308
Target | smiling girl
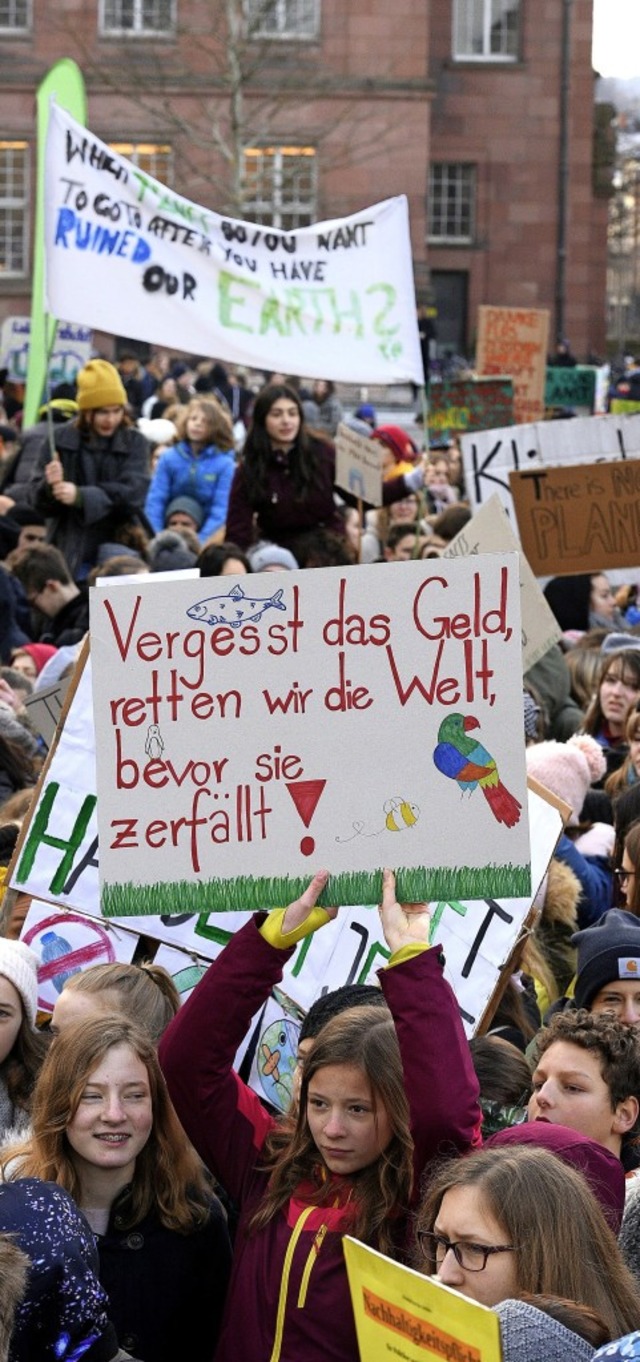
x: 105, y: 1130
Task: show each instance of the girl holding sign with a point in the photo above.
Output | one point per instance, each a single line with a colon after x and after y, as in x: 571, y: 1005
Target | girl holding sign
x: 284, y: 484
x: 381, y: 1093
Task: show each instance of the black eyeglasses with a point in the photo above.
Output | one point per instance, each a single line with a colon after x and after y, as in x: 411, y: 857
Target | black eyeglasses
x: 623, y: 875
x: 472, y: 1257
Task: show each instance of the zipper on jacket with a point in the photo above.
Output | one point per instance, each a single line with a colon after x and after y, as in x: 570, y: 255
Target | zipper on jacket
x: 313, y: 1254
x: 284, y: 1284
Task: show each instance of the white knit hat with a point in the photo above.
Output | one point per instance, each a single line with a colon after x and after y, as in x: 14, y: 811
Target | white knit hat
x: 19, y: 964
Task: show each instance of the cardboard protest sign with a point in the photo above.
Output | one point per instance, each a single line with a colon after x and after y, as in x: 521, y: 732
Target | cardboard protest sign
x: 355, y: 716
x: 71, y: 350
x: 475, y: 403
x: 489, y: 531
x: 515, y: 340
x: 359, y: 465
x: 490, y: 456
x: 401, y: 1313
x: 583, y: 518
x: 335, y: 300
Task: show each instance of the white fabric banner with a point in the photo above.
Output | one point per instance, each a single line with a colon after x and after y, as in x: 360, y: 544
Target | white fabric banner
x: 125, y: 254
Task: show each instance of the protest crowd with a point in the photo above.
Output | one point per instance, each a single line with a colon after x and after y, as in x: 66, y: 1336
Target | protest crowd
x: 153, y: 1204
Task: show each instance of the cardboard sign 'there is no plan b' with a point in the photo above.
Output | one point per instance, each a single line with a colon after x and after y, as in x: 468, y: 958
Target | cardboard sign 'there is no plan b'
x: 251, y: 730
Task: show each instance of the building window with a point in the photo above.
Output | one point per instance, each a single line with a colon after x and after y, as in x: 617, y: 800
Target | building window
x: 451, y: 203
x: 14, y: 208
x: 154, y: 160
x: 283, y: 18
x: 15, y: 16
x: 486, y: 30
x: 280, y: 186
x: 137, y: 16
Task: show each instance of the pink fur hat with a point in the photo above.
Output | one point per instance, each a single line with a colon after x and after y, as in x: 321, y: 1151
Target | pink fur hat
x: 567, y: 768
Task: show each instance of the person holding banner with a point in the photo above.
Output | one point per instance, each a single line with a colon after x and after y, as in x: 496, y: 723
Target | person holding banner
x: 284, y: 483
x: 97, y: 479
x: 381, y: 1094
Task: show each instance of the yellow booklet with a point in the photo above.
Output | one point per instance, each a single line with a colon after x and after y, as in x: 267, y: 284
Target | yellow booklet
x: 401, y: 1314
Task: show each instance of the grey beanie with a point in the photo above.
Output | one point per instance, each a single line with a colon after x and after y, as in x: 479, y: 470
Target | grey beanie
x: 531, y: 1335
x: 609, y: 950
x: 271, y: 555
x: 189, y: 506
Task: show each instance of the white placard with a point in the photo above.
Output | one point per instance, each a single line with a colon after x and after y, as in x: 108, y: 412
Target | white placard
x: 347, y: 717
x: 125, y: 254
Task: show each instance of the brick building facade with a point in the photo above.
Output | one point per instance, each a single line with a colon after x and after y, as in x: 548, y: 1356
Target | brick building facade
x: 317, y: 108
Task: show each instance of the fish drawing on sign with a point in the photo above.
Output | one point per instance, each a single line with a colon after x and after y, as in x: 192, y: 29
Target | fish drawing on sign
x: 235, y: 608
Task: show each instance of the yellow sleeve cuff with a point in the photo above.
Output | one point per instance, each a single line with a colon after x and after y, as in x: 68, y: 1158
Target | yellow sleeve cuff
x: 272, y: 932
x: 407, y: 953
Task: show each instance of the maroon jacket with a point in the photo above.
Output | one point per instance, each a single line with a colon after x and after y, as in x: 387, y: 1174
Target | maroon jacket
x: 282, y: 516
x: 289, y: 1298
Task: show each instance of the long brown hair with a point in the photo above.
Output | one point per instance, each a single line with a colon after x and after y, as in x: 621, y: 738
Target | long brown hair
x: 624, y: 665
x: 365, y: 1037
x: 574, y: 1254
x: 168, y: 1177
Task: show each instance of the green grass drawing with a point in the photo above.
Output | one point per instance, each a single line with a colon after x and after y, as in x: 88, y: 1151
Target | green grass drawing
x: 247, y: 893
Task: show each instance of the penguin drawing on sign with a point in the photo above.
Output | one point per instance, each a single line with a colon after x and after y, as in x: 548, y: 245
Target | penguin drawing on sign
x: 154, y: 746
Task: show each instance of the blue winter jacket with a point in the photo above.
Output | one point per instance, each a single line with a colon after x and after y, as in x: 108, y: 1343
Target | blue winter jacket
x: 206, y: 477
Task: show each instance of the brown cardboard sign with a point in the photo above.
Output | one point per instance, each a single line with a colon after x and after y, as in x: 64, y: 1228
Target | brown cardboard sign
x: 579, y: 518
x: 514, y: 340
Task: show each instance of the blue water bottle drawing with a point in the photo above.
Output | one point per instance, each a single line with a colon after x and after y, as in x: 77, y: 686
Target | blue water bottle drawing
x: 53, y: 947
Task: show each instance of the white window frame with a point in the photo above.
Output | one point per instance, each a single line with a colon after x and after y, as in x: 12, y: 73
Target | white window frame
x: 277, y: 207
x: 143, y: 152
x: 283, y: 31
x: 462, y: 19
x: 12, y: 204
x: 465, y: 173
x: 139, y: 30
x: 8, y: 28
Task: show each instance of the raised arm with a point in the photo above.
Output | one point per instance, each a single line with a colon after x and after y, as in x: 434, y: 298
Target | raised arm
x: 441, y: 1085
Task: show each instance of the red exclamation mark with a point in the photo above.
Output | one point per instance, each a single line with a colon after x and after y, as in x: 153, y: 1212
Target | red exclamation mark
x: 305, y: 795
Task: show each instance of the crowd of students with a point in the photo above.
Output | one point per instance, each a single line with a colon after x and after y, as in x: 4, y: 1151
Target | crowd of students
x: 191, y: 1218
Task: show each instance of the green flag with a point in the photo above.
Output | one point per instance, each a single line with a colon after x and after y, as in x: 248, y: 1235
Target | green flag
x: 65, y: 82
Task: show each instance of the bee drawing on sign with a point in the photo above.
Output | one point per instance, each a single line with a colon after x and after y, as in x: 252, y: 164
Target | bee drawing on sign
x: 399, y: 814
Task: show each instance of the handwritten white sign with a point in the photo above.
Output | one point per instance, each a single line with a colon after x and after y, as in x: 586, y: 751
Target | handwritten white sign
x: 489, y: 456
x: 125, y: 254
x: 347, y: 717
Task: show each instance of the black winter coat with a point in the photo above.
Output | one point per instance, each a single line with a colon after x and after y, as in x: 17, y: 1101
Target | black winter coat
x: 113, y: 476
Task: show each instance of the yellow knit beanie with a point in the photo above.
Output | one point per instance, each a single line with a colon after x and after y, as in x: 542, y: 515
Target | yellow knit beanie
x: 99, y: 385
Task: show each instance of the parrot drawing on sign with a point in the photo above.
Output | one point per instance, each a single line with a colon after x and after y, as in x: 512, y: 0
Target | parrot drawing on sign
x: 466, y: 761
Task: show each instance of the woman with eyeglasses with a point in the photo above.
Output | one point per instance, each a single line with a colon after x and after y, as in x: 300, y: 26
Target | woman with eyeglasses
x: 499, y: 1223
